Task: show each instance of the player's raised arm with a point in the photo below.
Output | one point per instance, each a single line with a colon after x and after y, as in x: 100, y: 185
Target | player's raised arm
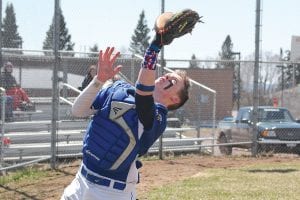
x: 148, y: 90
x: 106, y: 70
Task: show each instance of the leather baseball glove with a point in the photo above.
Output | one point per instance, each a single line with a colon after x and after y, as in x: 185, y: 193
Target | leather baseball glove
x: 169, y: 25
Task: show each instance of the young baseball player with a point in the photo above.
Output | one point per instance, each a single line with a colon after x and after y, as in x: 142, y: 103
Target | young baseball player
x: 126, y: 122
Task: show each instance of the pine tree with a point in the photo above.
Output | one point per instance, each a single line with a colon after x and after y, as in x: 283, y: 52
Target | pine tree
x: 95, y: 49
x: 227, y: 54
x: 65, y: 42
x: 193, y: 62
x: 140, y: 38
x: 287, y: 76
x: 10, y: 35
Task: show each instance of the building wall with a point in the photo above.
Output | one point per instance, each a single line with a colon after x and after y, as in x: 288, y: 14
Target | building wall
x: 220, y: 80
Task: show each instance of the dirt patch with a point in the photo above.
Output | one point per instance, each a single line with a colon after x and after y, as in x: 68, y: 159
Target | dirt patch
x: 154, y: 173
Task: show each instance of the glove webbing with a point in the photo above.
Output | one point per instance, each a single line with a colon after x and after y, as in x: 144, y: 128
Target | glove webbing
x: 189, y: 19
x: 174, y: 22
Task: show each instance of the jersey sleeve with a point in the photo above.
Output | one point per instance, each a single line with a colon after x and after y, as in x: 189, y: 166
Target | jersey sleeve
x: 145, y: 108
x: 158, y: 127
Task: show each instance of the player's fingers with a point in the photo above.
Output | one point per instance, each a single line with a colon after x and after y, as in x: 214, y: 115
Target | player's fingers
x: 100, y: 53
x: 111, y: 50
x: 117, y: 69
x: 105, y: 56
x: 115, y: 57
x: 100, y: 59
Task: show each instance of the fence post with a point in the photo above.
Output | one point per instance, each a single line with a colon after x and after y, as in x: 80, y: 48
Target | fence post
x: 55, y: 97
x: 160, y: 71
x: 132, y: 69
x: 1, y: 63
x: 214, y: 123
x: 3, y: 101
x: 255, y: 80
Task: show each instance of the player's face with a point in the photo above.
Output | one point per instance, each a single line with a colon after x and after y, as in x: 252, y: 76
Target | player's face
x: 93, y: 72
x: 9, y: 68
x: 169, y: 85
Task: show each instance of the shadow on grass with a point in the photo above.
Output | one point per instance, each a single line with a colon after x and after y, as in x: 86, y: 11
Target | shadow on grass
x: 283, y: 171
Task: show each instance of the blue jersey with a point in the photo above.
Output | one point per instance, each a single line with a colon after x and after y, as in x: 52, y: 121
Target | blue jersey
x: 113, y: 141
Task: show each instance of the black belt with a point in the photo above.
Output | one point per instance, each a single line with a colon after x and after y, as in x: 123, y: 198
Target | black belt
x: 102, y: 181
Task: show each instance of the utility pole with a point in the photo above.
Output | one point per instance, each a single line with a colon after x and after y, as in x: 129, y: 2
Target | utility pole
x: 55, y: 97
x: 1, y: 62
x: 160, y: 72
x: 294, y: 75
x: 239, y: 79
x: 255, y: 79
x: 282, y: 76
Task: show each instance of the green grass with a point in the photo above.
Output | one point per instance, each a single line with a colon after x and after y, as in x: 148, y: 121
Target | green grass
x: 260, y: 182
x: 26, y: 173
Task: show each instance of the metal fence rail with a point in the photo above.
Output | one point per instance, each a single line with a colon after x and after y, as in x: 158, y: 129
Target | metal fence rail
x: 200, y: 112
x: 219, y: 87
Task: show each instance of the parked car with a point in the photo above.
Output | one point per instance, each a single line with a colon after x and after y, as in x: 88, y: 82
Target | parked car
x: 277, y: 130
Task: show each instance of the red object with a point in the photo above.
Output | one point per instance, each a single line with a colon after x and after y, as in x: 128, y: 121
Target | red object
x: 19, y: 95
x: 6, y: 141
x: 275, y: 102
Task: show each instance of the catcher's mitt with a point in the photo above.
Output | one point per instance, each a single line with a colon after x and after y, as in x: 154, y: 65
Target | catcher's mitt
x: 169, y: 26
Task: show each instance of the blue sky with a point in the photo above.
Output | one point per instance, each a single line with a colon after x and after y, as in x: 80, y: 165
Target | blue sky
x: 111, y: 23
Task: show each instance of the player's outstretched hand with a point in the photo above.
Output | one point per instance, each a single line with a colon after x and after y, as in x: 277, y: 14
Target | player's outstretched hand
x: 106, y: 68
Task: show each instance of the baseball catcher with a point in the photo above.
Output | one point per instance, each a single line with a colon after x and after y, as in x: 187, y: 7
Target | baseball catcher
x: 127, y: 120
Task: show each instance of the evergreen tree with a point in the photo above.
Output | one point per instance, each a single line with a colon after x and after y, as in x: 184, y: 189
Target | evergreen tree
x: 227, y: 54
x: 193, y: 62
x: 95, y: 49
x: 65, y: 42
x: 140, y: 38
x: 10, y: 35
x: 286, y: 78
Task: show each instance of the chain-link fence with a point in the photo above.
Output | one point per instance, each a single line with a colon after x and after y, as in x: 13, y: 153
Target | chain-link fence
x: 38, y: 88
x: 30, y: 131
x: 191, y: 128
x: 277, y: 129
